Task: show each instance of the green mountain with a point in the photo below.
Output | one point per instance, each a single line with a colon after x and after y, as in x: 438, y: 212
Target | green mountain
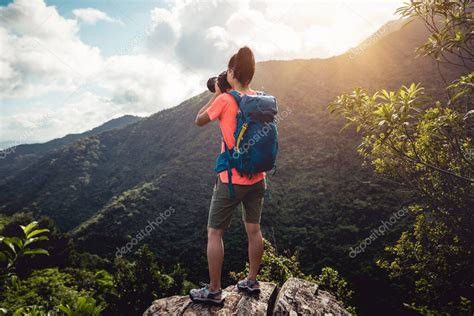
x: 108, y: 188
x: 21, y: 156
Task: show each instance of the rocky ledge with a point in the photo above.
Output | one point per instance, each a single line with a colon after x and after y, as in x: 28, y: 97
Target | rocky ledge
x: 296, y: 297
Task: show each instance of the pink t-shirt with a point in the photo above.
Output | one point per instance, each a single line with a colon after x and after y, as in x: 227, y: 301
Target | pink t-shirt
x: 225, y: 109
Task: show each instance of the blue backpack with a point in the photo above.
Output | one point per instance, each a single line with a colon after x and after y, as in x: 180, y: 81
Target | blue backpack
x: 256, y: 137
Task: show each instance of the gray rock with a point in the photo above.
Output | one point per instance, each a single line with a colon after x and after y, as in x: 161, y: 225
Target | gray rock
x: 235, y: 303
x: 296, y: 297
x: 301, y: 297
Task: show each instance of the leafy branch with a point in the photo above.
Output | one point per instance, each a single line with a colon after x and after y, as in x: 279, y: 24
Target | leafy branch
x: 16, y: 247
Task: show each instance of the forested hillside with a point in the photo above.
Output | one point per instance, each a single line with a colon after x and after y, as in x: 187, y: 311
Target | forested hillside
x: 20, y: 156
x: 106, y: 188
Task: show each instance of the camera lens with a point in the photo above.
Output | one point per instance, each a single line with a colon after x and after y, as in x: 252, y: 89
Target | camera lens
x: 211, y: 84
x: 222, y: 82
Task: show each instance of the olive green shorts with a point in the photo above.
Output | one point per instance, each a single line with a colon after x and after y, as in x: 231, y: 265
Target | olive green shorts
x: 222, y: 206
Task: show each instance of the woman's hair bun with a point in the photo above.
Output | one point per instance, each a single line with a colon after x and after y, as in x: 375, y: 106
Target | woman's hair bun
x: 244, y: 65
x: 245, y: 53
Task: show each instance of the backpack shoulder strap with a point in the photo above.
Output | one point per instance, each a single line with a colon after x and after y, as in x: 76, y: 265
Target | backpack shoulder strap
x: 236, y: 96
x: 226, y: 156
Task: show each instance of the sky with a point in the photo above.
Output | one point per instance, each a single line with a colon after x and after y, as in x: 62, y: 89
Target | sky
x: 69, y: 66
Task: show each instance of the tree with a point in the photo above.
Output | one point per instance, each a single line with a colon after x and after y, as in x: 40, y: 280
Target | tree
x: 85, y: 306
x: 47, y: 288
x: 45, y: 291
x: 427, y: 146
x: 451, y: 27
x: 14, y: 248
x: 142, y: 281
x: 59, y: 245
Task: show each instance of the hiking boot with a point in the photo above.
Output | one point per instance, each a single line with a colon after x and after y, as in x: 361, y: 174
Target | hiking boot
x: 250, y: 286
x: 204, y: 295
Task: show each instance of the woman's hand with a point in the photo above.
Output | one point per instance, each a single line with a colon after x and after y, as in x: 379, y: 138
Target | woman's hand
x: 202, y: 118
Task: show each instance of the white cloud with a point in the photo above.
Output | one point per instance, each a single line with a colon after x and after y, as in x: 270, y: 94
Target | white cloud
x: 146, y: 84
x: 164, y: 31
x: 92, y: 16
x: 88, y: 111
x: 42, y: 55
x: 34, y: 18
x: 204, y: 34
x: 187, y: 33
x: 138, y: 85
x: 41, y: 51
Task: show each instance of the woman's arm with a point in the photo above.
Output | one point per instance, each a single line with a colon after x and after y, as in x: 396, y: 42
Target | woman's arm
x: 202, y: 118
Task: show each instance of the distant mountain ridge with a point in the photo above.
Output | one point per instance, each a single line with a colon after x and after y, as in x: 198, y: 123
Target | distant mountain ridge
x: 22, y: 155
x: 383, y: 31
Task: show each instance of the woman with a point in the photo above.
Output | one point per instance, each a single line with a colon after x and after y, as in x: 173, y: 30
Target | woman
x: 249, y: 191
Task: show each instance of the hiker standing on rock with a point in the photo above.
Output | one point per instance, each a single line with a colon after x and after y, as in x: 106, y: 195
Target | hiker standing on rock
x: 249, y: 148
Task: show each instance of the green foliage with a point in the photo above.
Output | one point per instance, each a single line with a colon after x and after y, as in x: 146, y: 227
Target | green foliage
x: 330, y: 280
x: 47, y: 288
x: 277, y: 269
x: 100, y: 283
x: 42, y: 291
x: 33, y: 311
x: 85, y: 306
x: 428, y: 148
x: 16, y: 247
x: 274, y: 268
x: 80, y: 291
x: 435, y: 260
x: 451, y: 27
x: 59, y: 245
x: 82, y: 288
x: 142, y: 281
x: 462, y: 88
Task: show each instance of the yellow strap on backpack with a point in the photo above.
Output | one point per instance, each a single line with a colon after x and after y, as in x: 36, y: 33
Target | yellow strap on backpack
x: 241, y: 135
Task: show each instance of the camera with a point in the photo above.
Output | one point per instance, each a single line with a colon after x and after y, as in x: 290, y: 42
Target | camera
x: 221, y: 82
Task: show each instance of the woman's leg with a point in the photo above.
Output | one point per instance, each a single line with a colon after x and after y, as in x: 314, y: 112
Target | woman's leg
x: 215, y: 256
x: 220, y: 213
x: 255, y: 248
x: 252, y: 212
